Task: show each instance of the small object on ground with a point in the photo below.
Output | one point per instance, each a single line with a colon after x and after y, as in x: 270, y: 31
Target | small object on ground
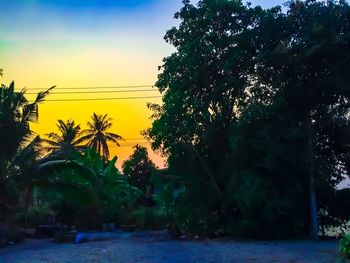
x: 95, y: 236
x: 183, y: 237
x: 80, y: 237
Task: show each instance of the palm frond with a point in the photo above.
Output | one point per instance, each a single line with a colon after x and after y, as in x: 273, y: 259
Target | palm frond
x: 84, y: 138
x: 54, y: 136
x: 115, y: 136
x: 112, y: 140
x: 51, y: 143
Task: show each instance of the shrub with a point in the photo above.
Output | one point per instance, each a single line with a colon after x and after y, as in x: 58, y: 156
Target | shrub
x: 148, y: 218
x: 10, y: 233
x: 344, y: 245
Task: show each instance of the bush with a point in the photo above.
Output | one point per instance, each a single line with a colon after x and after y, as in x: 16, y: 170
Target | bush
x: 148, y: 218
x: 9, y: 233
x: 344, y: 245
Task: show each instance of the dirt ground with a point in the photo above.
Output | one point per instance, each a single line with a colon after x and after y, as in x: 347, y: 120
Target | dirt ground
x: 150, y: 249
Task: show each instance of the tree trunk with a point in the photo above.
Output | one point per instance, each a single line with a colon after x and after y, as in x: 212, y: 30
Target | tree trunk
x: 207, y: 170
x: 312, y: 190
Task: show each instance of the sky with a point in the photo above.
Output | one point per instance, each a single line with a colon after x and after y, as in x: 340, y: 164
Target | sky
x: 89, y: 44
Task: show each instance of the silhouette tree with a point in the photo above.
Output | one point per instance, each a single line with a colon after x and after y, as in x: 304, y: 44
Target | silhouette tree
x: 16, y: 112
x: 246, y: 91
x: 66, y: 141
x: 139, y: 167
x: 97, y: 135
x: 16, y: 154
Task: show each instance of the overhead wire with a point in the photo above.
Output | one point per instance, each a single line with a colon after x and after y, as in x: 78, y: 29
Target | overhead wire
x: 127, y: 143
x: 96, y: 92
x: 103, y: 99
x: 91, y: 87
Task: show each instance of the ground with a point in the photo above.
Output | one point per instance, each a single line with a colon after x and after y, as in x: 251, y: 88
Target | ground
x: 154, y: 249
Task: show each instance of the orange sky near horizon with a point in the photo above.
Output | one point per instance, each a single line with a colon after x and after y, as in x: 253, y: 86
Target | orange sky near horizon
x: 90, y: 47
x: 129, y: 116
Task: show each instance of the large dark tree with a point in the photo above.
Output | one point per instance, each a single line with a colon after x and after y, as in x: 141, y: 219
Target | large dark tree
x: 308, y: 69
x: 255, y: 114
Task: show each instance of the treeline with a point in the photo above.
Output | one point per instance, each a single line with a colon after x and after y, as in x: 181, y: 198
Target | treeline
x: 255, y: 117
x: 66, y: 177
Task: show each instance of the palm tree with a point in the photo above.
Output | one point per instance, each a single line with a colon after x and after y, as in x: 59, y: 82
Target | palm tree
x: 97, y: 135
x: 65, y: 142
x: 16, y: 112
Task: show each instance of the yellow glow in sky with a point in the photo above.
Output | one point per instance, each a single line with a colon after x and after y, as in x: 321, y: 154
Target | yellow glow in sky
x: 121, y: 49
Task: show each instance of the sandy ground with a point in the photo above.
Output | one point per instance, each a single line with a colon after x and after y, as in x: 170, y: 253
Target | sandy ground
x: 150, y: 249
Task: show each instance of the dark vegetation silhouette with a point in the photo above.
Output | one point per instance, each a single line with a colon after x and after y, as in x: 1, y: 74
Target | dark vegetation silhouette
x: 254, y: 123
x: 140, y: 168
x: 66, y: 141
x: 98, y: 136
x: 255, y: 116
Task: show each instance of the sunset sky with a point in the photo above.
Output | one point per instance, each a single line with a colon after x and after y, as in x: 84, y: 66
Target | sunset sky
x: 89, y: 43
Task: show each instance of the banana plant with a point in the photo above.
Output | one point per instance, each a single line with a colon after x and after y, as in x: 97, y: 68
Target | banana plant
x: 104, y: 187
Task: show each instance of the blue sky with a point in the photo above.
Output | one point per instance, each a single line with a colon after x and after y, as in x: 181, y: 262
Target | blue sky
x: 91, y: 13
x: 102, y: 4
x: 120, y: 3
x: 80, y: 3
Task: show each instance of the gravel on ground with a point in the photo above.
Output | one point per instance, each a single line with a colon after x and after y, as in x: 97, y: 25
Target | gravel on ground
x: 143, y: 248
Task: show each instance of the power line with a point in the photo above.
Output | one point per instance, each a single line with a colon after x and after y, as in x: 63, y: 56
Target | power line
x: 107, y: 87
x: 96, y: 92
x: 104, y: 99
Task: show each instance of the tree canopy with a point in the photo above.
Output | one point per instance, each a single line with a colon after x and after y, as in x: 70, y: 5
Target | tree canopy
x: 139, y: 168
x: 255, y: 113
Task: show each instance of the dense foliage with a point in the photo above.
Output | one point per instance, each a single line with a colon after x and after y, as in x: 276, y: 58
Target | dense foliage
x: 101, y: 193
x: 255, y: 119
x: 344, y: 245
x: 18, y: 148
x: 139, y: 168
